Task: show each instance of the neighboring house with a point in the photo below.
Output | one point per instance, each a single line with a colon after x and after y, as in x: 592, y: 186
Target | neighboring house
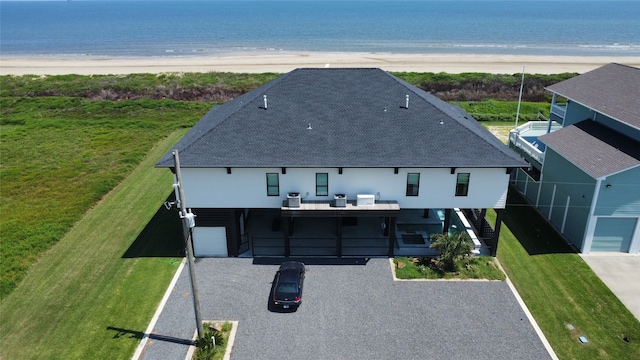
x: 294, y: 143
x: 585, y: 174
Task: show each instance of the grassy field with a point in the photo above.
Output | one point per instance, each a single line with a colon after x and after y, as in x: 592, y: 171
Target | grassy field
x: 560, y: 289
x: 60, y: 156
x: 91, y: 296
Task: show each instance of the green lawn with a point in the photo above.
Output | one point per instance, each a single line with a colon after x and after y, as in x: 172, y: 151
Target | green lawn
x: 62, y: 155
x: 560, y: 289
x: 91, y: 296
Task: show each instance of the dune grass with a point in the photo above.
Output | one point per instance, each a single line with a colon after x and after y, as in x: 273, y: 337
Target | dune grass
x: 91, y: 296
x: 560, y: 289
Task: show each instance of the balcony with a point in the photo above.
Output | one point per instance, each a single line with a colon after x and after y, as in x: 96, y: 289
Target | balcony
x: 559, y: 110
x: 524, y: 140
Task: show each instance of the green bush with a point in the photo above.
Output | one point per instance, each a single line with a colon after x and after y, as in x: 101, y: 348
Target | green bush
x: 455, y: 251
x: 205, y: 346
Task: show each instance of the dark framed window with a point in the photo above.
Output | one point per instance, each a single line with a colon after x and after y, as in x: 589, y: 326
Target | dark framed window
x: 413, y: 184
x: 462, y: 184
x: 322, y: 184
x: 273, y: 184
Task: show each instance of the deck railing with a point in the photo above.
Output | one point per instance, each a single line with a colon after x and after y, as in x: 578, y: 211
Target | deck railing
x: 559, y: 109
x: 524, y: 147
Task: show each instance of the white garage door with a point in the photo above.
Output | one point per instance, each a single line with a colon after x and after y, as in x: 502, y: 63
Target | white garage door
x: 210, y: 241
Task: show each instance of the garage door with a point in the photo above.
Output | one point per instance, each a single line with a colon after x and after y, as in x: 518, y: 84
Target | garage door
x: 613, y: 234
x: 210, y: 241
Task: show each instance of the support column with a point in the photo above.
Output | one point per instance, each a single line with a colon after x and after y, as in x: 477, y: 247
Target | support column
x: 483, y: 214
x: 285, y: 231
x: 387, y: 225
x: 392, y: 234
x: 425, y: 213
x: 339, y: 240
x: 496, y: 232
x: 447, y: 221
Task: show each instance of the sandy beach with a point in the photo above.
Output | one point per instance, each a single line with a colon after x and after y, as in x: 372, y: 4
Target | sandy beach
x: 282, y: 62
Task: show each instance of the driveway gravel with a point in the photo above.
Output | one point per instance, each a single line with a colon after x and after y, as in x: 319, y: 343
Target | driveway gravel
x: 351, y: 309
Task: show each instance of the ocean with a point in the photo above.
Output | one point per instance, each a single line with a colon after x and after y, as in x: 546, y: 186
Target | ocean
x: 200, y: 28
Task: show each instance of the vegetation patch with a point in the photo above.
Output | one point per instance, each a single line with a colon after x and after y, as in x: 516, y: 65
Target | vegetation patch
x: 213, y: 345
x: 454, y: 262
x: 91, y: 296
x: 62, y: 155
x: 482, y: 86
x: 481, y: 267
x: 221, y: 87
x: 505, y: 111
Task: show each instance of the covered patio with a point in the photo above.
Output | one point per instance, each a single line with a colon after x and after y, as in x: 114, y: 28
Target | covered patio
x: 316, y: 232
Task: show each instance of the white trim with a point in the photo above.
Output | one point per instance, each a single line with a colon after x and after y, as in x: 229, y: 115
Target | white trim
x: 590, y: 228
x: 540, y: 184
x: 634, y: 247
x: 553, y: 199
x: 154, y: 320
x: 566, y: 210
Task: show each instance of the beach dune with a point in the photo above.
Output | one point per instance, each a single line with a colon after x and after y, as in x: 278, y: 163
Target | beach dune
x: 282, y: 62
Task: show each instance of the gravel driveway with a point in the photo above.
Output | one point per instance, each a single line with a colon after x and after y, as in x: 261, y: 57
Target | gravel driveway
x: 349, y: 311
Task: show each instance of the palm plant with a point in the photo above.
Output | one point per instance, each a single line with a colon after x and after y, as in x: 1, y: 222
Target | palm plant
x: 455, y: 250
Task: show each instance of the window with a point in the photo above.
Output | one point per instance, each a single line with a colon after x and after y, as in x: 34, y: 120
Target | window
x: 413, y: 183
x: 462, y: 184
x: 273, y: 184
x: 322, y: 184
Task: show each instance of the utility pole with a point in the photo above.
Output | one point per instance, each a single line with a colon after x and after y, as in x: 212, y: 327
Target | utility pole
x: 188, y: 223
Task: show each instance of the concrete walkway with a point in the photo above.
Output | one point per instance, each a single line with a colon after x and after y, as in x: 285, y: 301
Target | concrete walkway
x: 621, y: 273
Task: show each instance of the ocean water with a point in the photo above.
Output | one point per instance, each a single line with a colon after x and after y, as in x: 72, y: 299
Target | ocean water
x: 188, y: 28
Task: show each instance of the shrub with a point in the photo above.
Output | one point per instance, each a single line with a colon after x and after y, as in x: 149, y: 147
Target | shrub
x: 455, y: 250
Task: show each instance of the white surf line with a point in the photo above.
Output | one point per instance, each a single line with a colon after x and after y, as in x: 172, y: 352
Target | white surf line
x: 154, y: 320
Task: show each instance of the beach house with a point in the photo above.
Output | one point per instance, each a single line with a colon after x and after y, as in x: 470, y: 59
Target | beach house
x: 585, y: 160
x: 338, y: 162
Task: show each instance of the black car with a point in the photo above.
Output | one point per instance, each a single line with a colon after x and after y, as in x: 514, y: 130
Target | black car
x: 287, y: 286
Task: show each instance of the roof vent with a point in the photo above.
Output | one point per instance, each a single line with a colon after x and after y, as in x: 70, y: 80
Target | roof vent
x: 265, y: 101
x: 406, y: 104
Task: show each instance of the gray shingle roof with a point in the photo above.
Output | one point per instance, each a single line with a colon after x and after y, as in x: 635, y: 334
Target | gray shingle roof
x: 612, y: 90
x: 594, y: 148
x: 357, y: 118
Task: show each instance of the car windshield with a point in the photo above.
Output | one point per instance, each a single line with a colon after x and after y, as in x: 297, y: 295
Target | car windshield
x: 290, y: 288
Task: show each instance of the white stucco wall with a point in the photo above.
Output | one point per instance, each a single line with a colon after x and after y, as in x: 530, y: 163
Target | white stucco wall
x: 246, y: 188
